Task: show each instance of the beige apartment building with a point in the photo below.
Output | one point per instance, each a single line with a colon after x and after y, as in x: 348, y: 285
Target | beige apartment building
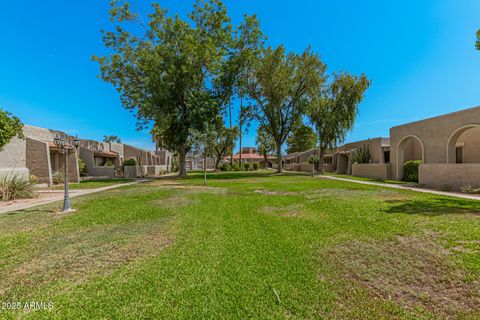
x: 339, y: 160
x: 447, y: 145
x: 37, y: 155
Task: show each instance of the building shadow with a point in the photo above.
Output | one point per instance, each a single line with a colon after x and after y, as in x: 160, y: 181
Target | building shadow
x: 435, y: 206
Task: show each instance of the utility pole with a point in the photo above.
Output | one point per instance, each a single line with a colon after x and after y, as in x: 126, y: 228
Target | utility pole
x: 240, y: 125
x: 230, y: 113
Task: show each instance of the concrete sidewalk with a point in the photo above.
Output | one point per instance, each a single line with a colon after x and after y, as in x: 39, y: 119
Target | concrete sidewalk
x: 402, y: 187
x: 58, y: 196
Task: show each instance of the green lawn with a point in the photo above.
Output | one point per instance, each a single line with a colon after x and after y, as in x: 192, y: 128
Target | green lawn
x: 250, y: 245
x: 92, y: 184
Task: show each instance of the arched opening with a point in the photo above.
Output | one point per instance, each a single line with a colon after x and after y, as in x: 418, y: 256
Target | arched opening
x: 463, y: 146
x: 409, y: 148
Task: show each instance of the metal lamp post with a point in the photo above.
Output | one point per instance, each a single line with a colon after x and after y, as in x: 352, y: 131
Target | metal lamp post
x: 61, y: 144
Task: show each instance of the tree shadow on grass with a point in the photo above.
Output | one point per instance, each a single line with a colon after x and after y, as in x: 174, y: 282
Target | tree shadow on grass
x: 435, y: 207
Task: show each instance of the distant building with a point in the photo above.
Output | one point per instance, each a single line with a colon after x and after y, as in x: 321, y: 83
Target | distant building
x: 448, y: 147
x: 38, y: 155
x: 249, y: 154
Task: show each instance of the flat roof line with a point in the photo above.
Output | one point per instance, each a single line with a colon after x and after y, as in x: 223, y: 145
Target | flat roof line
x: 436, y: 117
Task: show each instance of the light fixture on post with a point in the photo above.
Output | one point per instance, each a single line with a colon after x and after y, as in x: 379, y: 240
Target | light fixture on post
x: 61, y: 144
x: 76, y: 142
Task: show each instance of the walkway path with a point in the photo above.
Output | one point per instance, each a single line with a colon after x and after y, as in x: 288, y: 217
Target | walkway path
x: 57, y: 195
x: 403, y: 187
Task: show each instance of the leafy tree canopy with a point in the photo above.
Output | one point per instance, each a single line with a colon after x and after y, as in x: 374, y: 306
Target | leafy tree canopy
x: 265, y: 143
x: 10, y: 127
x: 477, y: 43
x: 170, y: 73
x: 111, y: 139
x: 278, y: 85
x: 333, y: 109
x: 302, y: 138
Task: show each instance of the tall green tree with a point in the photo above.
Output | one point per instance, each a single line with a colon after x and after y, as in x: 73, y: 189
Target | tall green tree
x: 10, y: 127
x: 265, y: 143
x: 332, y: 111
x: 112, y: 139
x: 247, y: 45
x: 166, y: 73
x: 223, y: 142
x: 302, y: 138
x: 278, y: 85
x: 477, y: 43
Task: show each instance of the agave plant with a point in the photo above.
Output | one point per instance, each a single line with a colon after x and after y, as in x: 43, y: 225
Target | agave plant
x: 15, y: 187
x: 58, y: 177
x: 361, y: 155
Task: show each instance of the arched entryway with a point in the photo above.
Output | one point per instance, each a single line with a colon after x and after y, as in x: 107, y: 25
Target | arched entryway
x: 463, y: 145
x: 410, y: 148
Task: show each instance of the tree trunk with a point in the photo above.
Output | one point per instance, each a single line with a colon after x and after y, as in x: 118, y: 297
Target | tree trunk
x: 217, y: 163
x: 230, y: 113
x: 320, y: 154
x: 204, y: 170
x: 182, y: 165
x: 266, y: 160
x: 240, y: 135
x: 279, y: 158
x: 320, y: 161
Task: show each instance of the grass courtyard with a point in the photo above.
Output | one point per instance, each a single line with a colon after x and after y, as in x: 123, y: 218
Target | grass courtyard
x: 249, y: 245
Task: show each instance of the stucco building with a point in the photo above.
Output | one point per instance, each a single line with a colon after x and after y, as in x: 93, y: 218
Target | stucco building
x: 339, y: 160
x: 38, y: 155
x: 448, y: 146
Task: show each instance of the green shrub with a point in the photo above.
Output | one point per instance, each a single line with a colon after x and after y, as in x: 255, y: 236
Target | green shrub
x: 109, y: 163
x: 361, y: 155
x: 225, y: 167
x: 313, y: 159
x: 82, y: 167
x: 256, y: 165
x: 15, y: 187
x: 246, y: 166
x: 58, y: 177
x: 129, y: 163
x: 410, y: 170
x: 236, y: 167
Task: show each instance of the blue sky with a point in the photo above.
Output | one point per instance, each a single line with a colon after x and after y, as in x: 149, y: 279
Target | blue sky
x: 419, y: 54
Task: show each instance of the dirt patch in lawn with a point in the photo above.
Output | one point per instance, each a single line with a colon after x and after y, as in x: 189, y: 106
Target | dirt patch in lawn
x: 276, y: 193
x: 381, y: 194
x: 79, y: 255
x: 294, y: 210
x: 191, y: 188
x: 413, y: 272
x: 174, y: 202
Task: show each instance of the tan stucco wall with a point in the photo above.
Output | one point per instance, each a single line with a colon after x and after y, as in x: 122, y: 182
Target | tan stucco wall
x: 375, y: 146
x: 118, y: 148
x: 470, y: 141
x: 412, y: 149
x: 449, y: 175
x: 380, y: 171
x: 13, y: 158
x: 88, y: 157
x: 435, y: 135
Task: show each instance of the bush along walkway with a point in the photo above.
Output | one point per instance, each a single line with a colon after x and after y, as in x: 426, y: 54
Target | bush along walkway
x: 49, y: 196
x: 406, y: 187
